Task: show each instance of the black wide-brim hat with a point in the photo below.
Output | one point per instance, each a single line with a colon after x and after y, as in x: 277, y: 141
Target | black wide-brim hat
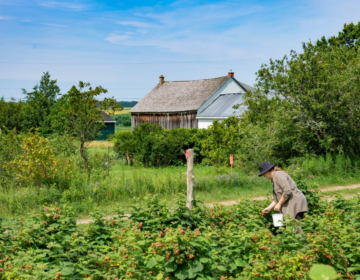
x: 265, y: 167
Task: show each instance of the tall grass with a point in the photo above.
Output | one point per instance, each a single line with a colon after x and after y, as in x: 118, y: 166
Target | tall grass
x: 101, y: 144
x: 339, y: 164
x: 114, y: 184
x: 126, y: 185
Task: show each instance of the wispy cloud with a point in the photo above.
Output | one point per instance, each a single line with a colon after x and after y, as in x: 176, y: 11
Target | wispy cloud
x: 55, y: 25
x: 137, y: 24
x: 195, y: 30
x: 115, y: 38
x: 64, y: 5
x: 4, y: 18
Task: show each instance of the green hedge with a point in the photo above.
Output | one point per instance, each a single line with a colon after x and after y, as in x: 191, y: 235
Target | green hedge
x: 151, y: 145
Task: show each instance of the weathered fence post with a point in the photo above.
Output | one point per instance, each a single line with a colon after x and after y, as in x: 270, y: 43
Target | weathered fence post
x: 190, y: 179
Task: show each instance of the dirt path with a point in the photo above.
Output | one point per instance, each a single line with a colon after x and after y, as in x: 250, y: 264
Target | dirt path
x: 231, y: 202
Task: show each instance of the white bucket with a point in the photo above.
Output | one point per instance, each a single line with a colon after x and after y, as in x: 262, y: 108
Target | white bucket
x: 277, y: 219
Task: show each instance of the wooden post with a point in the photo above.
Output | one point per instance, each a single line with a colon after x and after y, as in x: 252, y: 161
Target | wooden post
x: 190, y: 179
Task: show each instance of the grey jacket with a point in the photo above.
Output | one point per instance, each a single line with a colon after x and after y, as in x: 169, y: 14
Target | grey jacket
x: 285, y: 187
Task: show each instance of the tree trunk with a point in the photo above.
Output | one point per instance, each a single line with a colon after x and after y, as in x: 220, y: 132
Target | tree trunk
x: 82, y: 153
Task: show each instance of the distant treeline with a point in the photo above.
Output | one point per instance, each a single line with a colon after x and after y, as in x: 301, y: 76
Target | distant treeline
x: 128, y: 104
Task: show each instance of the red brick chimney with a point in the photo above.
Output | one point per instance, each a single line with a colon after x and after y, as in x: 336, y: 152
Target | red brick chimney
x: 161, y: 80
x: 231, y: 73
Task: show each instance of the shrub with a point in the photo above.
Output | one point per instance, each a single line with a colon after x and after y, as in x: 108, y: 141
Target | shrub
x: 156, y: 242
x: 37, y: 164
x: 124, y: 120
x: 224, y: 139
x: 151, y: 145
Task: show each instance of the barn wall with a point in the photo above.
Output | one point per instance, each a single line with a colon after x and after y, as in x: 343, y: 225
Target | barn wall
x: 166, y: 120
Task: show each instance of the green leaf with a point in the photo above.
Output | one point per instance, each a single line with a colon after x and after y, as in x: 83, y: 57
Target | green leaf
x: 195, y: 244
x: 26, y: 276
x: 67, y: 271
x: 322, y: 272
x: 204, y: 260
x: 170, y: 266
x: 221, y: 267
x: 240, y: 263
x: 192, y: 274
x: 196, y: 266
x: 151, y: 263
x: 182, y: 273
x: 233, y: 266
x: 160, y: 276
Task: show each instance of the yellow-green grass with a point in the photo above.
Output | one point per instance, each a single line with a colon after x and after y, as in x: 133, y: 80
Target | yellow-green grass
x: 119, y: 186
x: 101, y: 144
x: 122, y: 128
x: 123, y: 111
x: 344, y: 192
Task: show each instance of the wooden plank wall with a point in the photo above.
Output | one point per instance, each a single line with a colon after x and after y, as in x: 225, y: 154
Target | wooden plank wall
x: 166, y: 120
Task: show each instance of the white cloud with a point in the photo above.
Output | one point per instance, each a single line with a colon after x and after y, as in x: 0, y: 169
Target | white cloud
x: 4, y: 18
x: 137, y: 24
x: 55, y: 25
x: 115, y: 38
x: 64, y: 5
x: 198, y: 30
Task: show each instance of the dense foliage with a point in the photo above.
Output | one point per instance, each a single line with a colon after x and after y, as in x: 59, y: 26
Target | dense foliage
x: 79, y: 114
x: 12, y: 114
x: 123, y: 120
x: 224, y: 138
x: 47, y: 111
x: 310, y: 99
x: 40, y: 103
x: 151, y: 145
x: 234, y: 242
x: 128, y: 104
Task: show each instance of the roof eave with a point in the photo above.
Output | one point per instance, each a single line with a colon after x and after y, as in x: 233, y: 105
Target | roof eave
x: 169, y: 112
x: 212, y: 118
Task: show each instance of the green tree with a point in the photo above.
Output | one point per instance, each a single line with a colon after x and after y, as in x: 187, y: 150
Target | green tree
x: 314, y: 97
x: 224, y: 139
x: 348, y: 37
x: 79, y: 112
x: 111, y: 106
x: 40, y: 102
x: 12, y: 114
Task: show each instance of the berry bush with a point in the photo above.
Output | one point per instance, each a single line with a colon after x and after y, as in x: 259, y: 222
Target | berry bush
x: 233, y: 242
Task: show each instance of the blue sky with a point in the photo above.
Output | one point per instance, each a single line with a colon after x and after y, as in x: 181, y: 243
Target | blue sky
x: 125, y: 45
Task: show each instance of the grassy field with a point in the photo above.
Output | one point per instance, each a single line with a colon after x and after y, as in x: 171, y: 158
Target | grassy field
x: 101, y: 144
x: 115, y: 185
x: 169, y: 183
x: 122, y: 128
x: 124, y: 111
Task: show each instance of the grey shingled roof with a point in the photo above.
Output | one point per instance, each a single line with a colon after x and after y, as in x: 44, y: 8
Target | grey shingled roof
x: 246, y: 87
x: 106, y: 117
x: 222, y: 107
x: 178, y: 96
